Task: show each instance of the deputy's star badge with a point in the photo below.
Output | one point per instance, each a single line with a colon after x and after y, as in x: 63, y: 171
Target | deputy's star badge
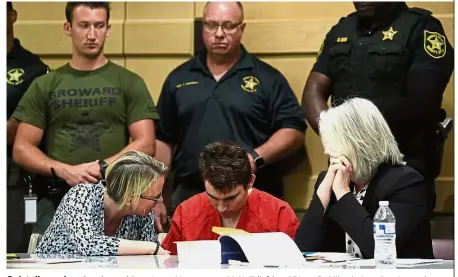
x: 250, y: 84
x: 389, y: 34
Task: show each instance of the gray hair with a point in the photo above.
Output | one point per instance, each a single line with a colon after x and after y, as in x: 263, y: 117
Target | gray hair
x: 131, y: 175
x: 357, y: 130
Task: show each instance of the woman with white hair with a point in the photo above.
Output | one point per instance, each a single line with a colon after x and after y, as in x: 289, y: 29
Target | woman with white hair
x: 113, y: 217
x: 366, y: 167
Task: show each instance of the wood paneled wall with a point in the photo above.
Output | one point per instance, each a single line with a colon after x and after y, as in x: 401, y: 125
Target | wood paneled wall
x: 152, y: 38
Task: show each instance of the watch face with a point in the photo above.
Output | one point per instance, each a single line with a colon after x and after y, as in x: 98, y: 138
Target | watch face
x: 259, y: 161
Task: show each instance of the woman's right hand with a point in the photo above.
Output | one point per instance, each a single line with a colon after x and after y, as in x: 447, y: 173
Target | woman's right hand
x: 325, y: 188
x: 162, y: 251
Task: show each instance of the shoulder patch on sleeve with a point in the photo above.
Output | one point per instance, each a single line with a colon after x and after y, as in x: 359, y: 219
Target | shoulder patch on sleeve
x: 435, y: 44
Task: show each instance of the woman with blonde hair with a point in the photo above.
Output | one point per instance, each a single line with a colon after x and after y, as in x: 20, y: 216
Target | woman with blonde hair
x: 113, y: 217
x: 366, y: 167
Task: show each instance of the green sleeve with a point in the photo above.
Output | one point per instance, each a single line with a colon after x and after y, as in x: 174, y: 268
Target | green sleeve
x: 140, y: 104
x: 33, y: 106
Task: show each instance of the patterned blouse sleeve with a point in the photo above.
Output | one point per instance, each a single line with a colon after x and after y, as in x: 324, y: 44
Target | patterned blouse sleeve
x: 80, y: 219
x: 147, y: 232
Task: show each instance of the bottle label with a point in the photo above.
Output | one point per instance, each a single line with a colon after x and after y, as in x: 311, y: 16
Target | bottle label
x: 384, y: 228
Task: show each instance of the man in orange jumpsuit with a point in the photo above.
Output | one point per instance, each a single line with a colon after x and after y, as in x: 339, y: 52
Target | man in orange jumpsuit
x: 229, y: 200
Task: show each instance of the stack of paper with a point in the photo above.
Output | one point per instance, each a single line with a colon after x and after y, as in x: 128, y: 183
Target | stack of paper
x: 254, y: 249
x: 262, y: 250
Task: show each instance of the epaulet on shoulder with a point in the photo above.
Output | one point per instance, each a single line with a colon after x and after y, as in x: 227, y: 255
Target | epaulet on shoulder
x: 420, y: 11
x: 348, y: 16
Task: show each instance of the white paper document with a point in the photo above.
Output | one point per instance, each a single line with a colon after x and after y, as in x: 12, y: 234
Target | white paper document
x: 43, y: 261
x: 399, y: 262
x: 199, y: 253
x: 332, y: 257
x: 268, y: 249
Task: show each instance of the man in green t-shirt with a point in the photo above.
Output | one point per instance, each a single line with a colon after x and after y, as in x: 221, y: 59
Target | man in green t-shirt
x: 80, y: 117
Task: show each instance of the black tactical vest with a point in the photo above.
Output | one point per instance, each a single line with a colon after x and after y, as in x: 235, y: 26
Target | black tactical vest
x: 370, y: 66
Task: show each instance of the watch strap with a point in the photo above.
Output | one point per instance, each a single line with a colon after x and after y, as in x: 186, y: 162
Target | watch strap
x: 254, y: 154
x: 257, y: 159
x: 157, y: 248
x: 103, y: 167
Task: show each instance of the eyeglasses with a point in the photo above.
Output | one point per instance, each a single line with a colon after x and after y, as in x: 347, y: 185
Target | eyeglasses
x: 227, y: 27
x: 157, y: 199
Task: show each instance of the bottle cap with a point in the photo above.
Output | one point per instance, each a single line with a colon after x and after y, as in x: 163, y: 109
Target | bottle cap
x: 383, y: 203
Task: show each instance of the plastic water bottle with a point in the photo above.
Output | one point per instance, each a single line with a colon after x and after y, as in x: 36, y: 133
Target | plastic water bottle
x: 385, y: 236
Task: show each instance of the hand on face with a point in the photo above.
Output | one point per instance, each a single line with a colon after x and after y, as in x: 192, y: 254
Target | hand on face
x: 325, y: 188
x: 160, y: 217
x: 342, y: 179
x: 337, y: 179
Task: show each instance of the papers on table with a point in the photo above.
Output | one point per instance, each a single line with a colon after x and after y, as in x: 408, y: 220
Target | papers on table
x: 262, y: 250
x: 399, y: 262
x: 239, y: 248
x: 256, y: 249
x: 330, y: 257
x: 199, y: 253
x: 43, y: 261
x: 348, y: 260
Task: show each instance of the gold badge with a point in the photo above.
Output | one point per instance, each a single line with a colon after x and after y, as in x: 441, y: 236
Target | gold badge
x: 435, y: 44
x: 250, y: 84
x: 15, y: 76
x: 389, y: 34
x: 342, y: 39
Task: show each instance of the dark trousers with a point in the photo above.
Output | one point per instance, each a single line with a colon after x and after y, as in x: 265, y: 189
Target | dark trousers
x: 431, y: 193
x: 17, y: 233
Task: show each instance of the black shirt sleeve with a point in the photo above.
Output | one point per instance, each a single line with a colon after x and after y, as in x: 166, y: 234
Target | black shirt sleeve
x: 31, y: 73
x: 311, y: 230
x: 285, y: 109
x: 429, y: 73
x: 431, y: 49
x: 167, y: 125
x: 322, y: 61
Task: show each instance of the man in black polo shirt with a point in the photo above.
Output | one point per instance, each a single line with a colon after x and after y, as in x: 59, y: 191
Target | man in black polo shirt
x: 22, y: 68
x: 398, y: 57
x: 225, y: 93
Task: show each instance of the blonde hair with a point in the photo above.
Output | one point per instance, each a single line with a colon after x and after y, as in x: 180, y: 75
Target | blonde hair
x: 357, y: 130
x: 131, y: 175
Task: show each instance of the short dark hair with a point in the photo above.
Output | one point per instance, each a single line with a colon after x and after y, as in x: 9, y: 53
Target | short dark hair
x: 70, y: 7
x: 225, y: 165
x: 9, y: 6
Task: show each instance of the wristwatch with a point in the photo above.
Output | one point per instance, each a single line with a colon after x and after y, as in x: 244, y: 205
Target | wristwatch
x: 157, y: 248
x: 258, y: 159
x: 103, y: 167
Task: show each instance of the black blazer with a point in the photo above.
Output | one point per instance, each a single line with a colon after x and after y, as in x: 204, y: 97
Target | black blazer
x: 404, y: 187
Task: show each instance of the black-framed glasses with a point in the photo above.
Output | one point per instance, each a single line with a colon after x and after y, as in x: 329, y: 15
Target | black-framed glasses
x: 227, y: 27
x: 157, y: 199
